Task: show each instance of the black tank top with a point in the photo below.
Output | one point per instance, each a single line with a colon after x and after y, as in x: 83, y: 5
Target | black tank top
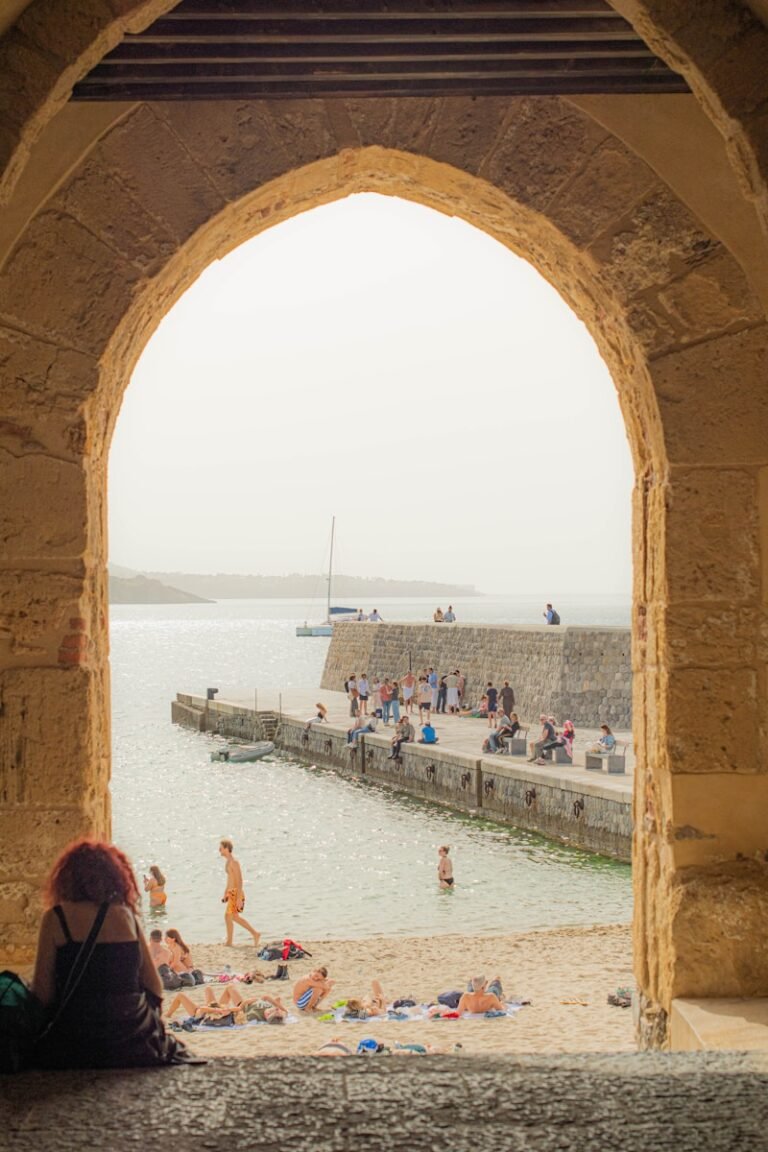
x: 113, y: 967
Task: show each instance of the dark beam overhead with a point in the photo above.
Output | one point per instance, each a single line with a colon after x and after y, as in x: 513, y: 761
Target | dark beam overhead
x: 257, y: 49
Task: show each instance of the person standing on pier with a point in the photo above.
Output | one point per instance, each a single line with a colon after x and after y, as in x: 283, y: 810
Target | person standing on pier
x: 493, y: 696
x: 433, y: 679
x: 507, y: 697
x: 408, y: 683
x: 364, y: 689
x: 234, y: 895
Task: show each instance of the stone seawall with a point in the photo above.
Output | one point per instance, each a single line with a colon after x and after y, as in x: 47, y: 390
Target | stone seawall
x: 591, y: 813
x: 582, y: 674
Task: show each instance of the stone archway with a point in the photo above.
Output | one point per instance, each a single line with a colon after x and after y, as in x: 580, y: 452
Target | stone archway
x: 165, y: 191
x: 121, y: 231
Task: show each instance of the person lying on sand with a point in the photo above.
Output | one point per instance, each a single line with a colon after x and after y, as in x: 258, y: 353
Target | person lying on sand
x: 263, y: 1008
x: 311, y: 989
x: 484, y: 997
x: 375, y: 1005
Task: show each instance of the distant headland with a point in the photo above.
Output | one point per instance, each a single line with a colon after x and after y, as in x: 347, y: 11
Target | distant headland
x: 129, y: 587
x: 142, y: 590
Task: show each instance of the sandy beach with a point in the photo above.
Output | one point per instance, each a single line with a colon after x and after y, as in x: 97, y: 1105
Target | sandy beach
x: 565, y: 973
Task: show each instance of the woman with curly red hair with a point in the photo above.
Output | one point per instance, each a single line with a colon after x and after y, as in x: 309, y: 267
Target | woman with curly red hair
x: 93, y: 970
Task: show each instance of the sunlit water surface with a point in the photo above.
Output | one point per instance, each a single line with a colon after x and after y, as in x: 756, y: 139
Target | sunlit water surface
x: 322, y: 857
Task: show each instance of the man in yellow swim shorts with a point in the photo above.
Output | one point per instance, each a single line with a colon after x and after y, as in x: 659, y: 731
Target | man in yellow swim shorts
x: 234, y: 896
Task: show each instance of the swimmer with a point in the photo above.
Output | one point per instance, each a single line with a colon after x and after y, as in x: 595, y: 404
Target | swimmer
x: 155, y: 885
x: 445, y: 868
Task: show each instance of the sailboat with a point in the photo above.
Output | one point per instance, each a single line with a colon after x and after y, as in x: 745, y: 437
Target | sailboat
x: 326, y: 629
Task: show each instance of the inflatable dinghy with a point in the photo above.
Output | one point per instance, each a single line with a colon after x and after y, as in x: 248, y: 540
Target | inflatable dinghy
x: 243, y: 753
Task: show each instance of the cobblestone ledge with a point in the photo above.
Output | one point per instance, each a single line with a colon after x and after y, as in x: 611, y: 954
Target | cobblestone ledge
x: 668, y: 1103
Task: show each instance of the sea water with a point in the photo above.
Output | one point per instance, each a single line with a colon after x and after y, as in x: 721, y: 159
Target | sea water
x: 321, y: 856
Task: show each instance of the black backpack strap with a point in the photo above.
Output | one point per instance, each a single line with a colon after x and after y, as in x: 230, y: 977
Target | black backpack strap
x: 77, y: 971
x: 63, y: 921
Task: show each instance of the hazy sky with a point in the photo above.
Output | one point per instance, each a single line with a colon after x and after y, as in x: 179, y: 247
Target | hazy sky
x: 378, y: 361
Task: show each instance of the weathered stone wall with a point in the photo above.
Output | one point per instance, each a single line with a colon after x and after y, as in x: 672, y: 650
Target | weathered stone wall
x: 582, y: 674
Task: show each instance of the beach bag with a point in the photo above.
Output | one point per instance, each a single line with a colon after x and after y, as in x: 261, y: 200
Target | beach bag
x: 450, y: 999
x: 21, y: 1017
x: 293, y: 951
x: 271, y: 952
x: 171, y: 980
x: 187, y: 979
x: 555, y: 617
x: 198, y: 976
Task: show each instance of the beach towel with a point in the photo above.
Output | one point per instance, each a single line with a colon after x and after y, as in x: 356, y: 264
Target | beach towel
x: 209, y: 1027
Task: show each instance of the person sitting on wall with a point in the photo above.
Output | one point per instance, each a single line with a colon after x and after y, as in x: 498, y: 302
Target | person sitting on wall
x: 564, y: 740
x: 375, y: 618
x: 428, y: 734
x: 320, y: 717
x: 362, y: 725
x: 547, y: 735
x: 605, y: 745
x: 405, y: 734
x: 508, y: 726
x: 450, y: 615
x: 438, y: 616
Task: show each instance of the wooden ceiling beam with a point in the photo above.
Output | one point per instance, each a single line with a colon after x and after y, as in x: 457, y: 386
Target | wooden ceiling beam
x: 370, y: 31
x: 235, y: 51
x: 217, y: 90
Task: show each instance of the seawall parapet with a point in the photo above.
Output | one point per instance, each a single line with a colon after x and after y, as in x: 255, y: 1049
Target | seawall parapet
x: 582, y: 674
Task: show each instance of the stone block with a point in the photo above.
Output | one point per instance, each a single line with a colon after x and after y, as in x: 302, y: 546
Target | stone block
x: 79, y: 309
x: 148, y: 159
x: 712, y: 540
x: 47, y: 517
x: 713, y: 721
x: 105, y: 206
x: 52, y: 753
x: 699, y: 390
x: 613, y: 178
x: 466, y: 130
x: 656, y: 240
x: 718, y: 916
x: 542, y: 147
x: 31, y: 852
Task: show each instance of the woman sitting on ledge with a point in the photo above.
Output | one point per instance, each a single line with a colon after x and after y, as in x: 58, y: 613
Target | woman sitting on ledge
x: 93, y: 972
x: 605, y: 745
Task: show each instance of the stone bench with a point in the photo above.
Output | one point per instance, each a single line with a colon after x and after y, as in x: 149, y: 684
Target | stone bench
x: 515, y: 745
x: 614, y: 763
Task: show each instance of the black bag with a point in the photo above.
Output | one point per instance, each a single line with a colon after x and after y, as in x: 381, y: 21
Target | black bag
x: 271, y: 952
x: 555, y: 617
x: 21, y: 1017
x: 450, y: 999
x: 171, y: 980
